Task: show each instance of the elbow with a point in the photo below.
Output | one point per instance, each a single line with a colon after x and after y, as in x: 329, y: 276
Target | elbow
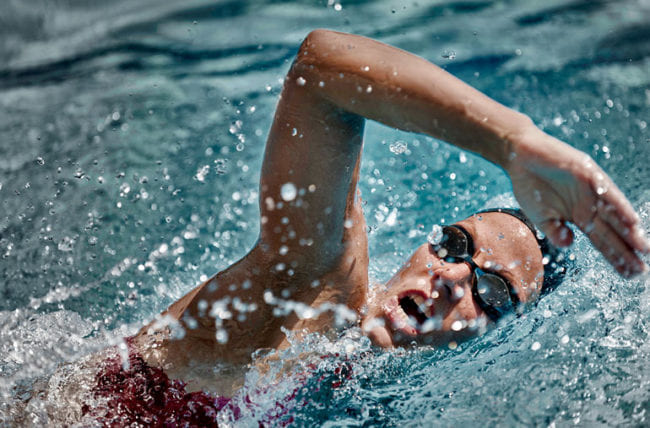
x: 317, y: 40
x: 315, y: 50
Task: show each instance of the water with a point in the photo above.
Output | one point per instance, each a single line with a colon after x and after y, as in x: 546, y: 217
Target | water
x: 131, y: 138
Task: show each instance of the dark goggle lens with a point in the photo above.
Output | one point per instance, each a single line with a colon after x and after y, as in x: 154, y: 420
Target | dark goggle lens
x: 455, y: 242
x: 494, y: 292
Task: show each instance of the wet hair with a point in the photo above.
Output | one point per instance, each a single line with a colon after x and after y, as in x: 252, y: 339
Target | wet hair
x: 555, y: 261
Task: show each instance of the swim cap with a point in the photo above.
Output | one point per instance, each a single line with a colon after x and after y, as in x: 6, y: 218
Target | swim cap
x: 553, y: 260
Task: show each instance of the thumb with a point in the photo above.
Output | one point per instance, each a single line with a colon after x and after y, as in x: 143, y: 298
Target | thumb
x: 558, y: 232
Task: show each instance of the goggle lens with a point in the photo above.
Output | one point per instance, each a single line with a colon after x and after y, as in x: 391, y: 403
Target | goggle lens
x: 493, y: 291
x: 455, y: 242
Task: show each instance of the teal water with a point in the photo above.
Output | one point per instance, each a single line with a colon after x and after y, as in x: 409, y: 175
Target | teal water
x: 131, y: 137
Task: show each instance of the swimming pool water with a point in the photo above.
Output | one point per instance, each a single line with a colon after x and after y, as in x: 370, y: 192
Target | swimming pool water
x: 131, y: 137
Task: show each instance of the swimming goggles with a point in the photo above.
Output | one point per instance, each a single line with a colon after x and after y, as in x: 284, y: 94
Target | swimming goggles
x: 491, y: 291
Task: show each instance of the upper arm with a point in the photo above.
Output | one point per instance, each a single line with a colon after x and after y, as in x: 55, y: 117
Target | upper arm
x: 313, y: 150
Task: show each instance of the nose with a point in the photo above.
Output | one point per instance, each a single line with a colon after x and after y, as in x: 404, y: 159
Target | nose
x: 453, y: 280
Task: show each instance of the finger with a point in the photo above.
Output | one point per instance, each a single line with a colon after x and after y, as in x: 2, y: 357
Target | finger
x: 612, y: 196
x: 557, y: 232
x: 621, y: 256
x: 632, y: 234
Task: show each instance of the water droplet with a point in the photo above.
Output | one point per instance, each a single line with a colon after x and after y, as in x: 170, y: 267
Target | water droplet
x: 448, y: 54
x: 435, y: 236
x: 457, y: 325
x: 348, y: 223
x: 391, y: 219
x: 66, y: 244
x: 321, y: 84
x: 79, y: 174
x: 40, y: 161
x: 283, y: 250
x: 338, y: 7
x: 288, y: 191
x: 398, y: 147
x: 301, y: 81
x: 535, y: 346
x: 462, y: 157
x: 222, y: 336
x: 270, y: 204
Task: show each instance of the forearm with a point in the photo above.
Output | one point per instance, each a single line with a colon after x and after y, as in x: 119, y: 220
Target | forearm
x: 402, y: 90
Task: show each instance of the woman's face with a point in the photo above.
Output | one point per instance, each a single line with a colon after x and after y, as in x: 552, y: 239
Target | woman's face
x: 430, y: 301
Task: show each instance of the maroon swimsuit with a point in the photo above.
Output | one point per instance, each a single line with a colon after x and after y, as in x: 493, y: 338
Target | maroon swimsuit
x: 142, y: 395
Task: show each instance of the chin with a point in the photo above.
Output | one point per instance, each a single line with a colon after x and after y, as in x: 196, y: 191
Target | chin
x: 379, y: 336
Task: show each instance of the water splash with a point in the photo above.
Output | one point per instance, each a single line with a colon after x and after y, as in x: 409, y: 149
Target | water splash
x: 288, y: 191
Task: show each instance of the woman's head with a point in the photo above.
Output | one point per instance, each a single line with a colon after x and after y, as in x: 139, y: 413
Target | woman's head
x: 437, y: 299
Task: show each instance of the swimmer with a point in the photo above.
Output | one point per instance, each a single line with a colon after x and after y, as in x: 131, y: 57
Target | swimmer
x: 312, y: 248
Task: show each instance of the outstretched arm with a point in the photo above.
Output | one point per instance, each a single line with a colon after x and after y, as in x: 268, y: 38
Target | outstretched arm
x: 553, y: 182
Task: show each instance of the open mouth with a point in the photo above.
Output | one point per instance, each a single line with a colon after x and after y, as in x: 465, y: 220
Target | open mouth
x: 415, y: 307
x: 410, y: 313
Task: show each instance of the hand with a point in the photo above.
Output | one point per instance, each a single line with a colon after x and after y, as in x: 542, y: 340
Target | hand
x: 555, y: 184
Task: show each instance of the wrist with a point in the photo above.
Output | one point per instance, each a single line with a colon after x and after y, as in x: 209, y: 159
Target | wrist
x: 521, y: 139
x: 532, y: 147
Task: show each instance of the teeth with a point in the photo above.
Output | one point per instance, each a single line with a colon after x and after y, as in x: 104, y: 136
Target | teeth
x: 419, y: 300
x: 423, y: 304
x: 401, y: 316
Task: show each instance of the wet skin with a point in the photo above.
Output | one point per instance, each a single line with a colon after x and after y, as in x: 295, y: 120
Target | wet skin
x: 430, y: 301
x: 319, y: 239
